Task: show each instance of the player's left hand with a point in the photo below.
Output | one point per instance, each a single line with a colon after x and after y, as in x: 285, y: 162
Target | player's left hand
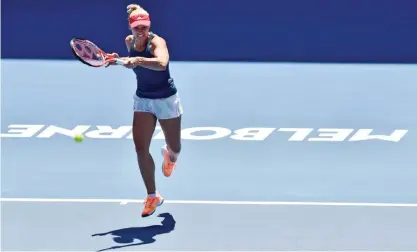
x: 130, y: 62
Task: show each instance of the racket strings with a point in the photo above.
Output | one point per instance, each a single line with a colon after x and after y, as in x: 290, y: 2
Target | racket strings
x: 89, y: 52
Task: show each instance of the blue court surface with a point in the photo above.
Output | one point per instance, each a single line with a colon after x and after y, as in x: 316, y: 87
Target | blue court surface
x: 275, y: 157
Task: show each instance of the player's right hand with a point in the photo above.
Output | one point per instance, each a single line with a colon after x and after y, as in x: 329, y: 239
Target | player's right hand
x: 115, y: 55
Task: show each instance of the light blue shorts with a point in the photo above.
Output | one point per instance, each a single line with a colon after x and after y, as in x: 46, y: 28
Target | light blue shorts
x: 165, y: 108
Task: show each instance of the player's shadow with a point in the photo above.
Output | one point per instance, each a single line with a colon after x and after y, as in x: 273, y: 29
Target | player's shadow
x: 144, y: 234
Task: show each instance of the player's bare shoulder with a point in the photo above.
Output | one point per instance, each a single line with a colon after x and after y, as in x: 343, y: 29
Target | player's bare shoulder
x: 157, y: 41
x: 128, y: 41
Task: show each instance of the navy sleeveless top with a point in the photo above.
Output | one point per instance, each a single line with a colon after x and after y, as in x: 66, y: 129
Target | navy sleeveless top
x: 150, y: 83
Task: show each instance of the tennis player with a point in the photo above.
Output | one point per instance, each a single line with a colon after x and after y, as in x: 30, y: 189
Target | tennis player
x: 156, y: 99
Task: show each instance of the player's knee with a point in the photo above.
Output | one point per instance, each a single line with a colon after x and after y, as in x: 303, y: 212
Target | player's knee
x: 142, y: 150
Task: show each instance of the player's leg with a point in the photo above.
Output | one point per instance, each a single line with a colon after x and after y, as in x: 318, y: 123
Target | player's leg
x: 170, y: 151
x: 169, y: 114
x: 143, y: 127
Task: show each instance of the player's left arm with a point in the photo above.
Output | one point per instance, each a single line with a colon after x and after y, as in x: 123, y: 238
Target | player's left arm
x: 159, y: 50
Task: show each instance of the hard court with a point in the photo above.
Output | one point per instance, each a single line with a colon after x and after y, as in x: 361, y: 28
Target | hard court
x: 274, y: 157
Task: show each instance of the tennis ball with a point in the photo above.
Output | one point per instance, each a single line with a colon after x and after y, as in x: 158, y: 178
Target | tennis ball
x: 78, y: 138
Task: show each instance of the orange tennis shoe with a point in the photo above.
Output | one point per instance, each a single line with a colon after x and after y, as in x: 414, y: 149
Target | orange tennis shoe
x: 151, y: 203
x: 168, y: 166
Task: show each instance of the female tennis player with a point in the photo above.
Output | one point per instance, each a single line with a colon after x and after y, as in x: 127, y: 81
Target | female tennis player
x: 156, y: 98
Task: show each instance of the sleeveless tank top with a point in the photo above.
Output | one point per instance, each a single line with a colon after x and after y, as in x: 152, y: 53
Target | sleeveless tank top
x: 150, y: 83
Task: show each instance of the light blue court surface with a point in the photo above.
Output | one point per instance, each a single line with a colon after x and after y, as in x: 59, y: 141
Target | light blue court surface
x: 271, y: 154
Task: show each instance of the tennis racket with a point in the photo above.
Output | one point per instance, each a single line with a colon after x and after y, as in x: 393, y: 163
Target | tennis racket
x: 90, y: 54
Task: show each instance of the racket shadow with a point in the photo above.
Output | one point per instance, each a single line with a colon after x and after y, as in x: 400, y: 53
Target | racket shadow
x: 145, y: 234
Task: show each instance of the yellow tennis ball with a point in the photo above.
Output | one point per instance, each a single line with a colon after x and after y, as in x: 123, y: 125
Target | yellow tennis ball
x: 78, y: 138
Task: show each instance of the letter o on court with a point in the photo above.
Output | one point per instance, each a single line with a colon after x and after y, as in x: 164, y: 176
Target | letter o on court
x: 215, y: 133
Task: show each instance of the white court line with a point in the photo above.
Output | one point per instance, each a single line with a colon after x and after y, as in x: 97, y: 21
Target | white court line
x: 210, y: 202
x: 247, y: 250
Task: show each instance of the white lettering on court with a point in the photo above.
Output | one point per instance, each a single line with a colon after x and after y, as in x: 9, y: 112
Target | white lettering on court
x: 108, y: 132
x: 218, y: 132
x: 22, y: 130
x: 365, y: 134
x: 254, y: 134
x: 158, y: 131
x: 52, y: 130
x: 206, y: 133
x: 299, y: 135
x: 331, y: 135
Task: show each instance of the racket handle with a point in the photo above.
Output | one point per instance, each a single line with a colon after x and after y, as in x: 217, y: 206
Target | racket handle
x: 119, y: 62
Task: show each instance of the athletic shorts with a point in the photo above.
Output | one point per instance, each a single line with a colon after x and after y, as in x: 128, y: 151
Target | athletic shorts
x: 165, y: 108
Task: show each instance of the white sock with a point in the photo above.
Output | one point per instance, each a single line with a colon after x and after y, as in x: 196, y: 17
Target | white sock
x: 172, y: 155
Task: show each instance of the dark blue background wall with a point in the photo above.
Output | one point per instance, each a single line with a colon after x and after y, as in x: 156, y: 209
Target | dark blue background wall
x: 257, y: 30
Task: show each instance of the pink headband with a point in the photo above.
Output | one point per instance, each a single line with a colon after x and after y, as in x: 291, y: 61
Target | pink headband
x: 140, y: 19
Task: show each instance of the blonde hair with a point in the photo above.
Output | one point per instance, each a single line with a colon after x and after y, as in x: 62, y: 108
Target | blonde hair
x: 135, y: 8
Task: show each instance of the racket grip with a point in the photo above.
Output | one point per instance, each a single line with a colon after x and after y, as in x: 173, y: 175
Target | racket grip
x: 119, y: 62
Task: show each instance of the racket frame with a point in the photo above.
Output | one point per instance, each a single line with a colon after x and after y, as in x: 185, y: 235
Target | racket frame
x: 108, y: 59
